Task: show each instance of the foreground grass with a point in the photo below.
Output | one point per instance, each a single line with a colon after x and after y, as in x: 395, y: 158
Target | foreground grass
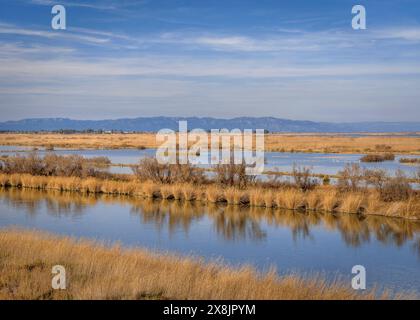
x: 273, y: 142
x: 322, y: 198
x: 97, y: 272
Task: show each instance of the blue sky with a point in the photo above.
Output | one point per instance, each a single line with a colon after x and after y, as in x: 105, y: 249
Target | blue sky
x: 291, y: 59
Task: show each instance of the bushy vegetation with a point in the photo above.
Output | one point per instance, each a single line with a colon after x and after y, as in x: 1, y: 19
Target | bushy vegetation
x: 350, y: 178
x: 55, y: 165
x: 378, y: 157
x: 390, y: 188
x: 233, y: 175
x: 151, y: 169
x: 302, y: 177
x: 410, y: 160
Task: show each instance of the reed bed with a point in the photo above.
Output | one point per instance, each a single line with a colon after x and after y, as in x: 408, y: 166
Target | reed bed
x: 281, y: 142
x: 324, y: 198
x: 95, y: 271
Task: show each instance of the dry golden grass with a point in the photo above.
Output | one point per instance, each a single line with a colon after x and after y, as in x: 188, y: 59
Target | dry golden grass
x: 94, y: 271
x: 352, y: 203
x: 273, y: 142
x: 325, y: 198
x: 341, y: 144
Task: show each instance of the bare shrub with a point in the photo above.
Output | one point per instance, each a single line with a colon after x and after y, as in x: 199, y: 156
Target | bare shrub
x: 23, y: 164
x: 396, y: 188
x: 376, y: 178
x: 51, y: 165
x: 302, y: 177
x: 350, y: 178
x: 151, y: 169
x: 233, y: 175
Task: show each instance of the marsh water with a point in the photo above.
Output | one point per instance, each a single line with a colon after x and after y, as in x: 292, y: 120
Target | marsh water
x: 320, y: 163
x: 306, y: 243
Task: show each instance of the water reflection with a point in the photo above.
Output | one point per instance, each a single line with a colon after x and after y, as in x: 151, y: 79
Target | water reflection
x: 232, y: 223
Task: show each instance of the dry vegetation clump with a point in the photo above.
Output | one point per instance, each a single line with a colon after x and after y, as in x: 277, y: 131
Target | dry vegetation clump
x: 302, y: 177
x: 350, y: 178
x: 54, y: 165
x: 233, y: 175
x: 150, y: 169
x: 389, y: 188
x: 410, y: 160
x: 329, y: 201
x: 396, y: 188
x: 378, y: 157
x: 352, y: 203
x: 235, y: 196
x: 94, y: 271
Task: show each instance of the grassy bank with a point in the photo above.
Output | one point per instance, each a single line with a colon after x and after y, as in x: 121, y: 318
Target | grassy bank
x: 321, y: 198
x: 273, y: 142
x: 97, y: 272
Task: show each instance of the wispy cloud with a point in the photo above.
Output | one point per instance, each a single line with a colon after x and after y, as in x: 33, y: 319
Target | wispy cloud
x: 99, y: 5
x: 50, y: 34
x: 411, y: 34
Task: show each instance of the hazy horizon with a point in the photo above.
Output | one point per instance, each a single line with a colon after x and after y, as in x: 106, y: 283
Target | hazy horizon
x: 200, y: 117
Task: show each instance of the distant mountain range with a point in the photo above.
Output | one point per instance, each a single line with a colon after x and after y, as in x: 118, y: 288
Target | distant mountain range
x: 152, y: 124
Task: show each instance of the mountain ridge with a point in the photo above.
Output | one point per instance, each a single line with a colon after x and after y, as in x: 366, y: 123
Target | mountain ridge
x: 153, y: 124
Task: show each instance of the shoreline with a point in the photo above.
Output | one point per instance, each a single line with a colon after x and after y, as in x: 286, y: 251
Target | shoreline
x: 322, y: 198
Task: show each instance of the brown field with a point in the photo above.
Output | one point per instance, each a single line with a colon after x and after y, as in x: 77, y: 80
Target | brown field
x: 325, y: 143
x: 322, y: 198
x: 94, y: 271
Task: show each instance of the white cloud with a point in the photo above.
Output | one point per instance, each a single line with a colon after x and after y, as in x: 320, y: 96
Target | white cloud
x: 50, y: 34
x: 408, y: 34
x: 178, y: 66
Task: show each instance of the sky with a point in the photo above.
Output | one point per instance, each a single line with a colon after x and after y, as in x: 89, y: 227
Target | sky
x: 297, y: 59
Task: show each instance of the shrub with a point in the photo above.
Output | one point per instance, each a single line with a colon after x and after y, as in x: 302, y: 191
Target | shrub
x: 350, y: 178
x: 378, y: 157
x: 396, y: 188
x: 302, y: 177
x: 410, y: 160
x: 151, y: 169
x: 376, y: 177
x: 233, y: 175
x: 51, y: 165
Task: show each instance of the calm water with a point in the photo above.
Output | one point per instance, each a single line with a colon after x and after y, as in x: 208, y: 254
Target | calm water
x: 280, y: 161
x: 388, y: 248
